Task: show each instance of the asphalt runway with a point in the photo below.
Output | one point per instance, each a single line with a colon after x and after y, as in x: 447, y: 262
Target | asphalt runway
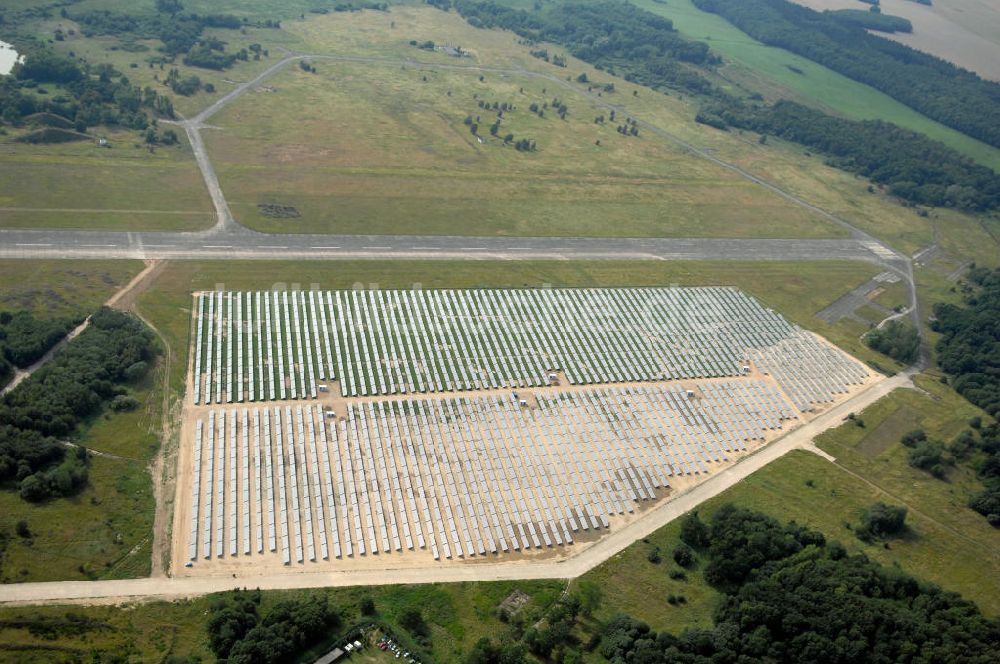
x: 237, y: 243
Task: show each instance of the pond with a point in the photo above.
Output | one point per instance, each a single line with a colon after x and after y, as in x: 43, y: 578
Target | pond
x: 8, y: 57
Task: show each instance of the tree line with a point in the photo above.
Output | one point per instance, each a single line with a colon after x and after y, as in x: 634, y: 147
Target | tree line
x: 88, y: 373
x: 24, y: 339
x: 898, y: 340
x: 646, y: 49
x: 912, y: 166
x: 181, y: 33
x: 969, y: 348
x: 984, y: 451
x: 791, y: 596
x: 934, y: 87
x: 238, y: 633
x: 94, y: 95
x: 979, y: 446
x: 872, y: 20
x: 608, y: 34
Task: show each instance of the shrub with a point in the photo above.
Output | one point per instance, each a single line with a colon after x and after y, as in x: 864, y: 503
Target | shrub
x: 683, y: 555
x: 881, y: 520
x: 367, y: 606
x: 694, y: 532
x: 124, y: 403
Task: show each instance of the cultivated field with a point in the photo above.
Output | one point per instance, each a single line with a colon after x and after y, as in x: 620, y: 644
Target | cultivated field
x: 587, y: 406
x: 756, y: 67
x: 965, y: 32
x: 376, y: 148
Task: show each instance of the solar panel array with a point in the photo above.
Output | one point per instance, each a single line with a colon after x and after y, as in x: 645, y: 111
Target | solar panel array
x: 457, y: 476
x: 260, y: 346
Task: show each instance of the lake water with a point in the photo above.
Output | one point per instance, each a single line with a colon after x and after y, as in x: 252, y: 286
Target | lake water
x: 8, y: 57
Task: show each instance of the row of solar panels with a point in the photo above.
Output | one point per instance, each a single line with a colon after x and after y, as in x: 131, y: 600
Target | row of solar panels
x: 458, y: 476
x: 390, y: 342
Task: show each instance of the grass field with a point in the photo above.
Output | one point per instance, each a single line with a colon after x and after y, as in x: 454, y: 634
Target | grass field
x: 875, y: 453
x: 105, y: 531
x: 59, y: 288
x: 380, y: 149
x: 947, y: 543
x: 83, y: 531
x: 647, y: 188
x: 123, y: 187
x: 753, y: 65
x: 787, y: 165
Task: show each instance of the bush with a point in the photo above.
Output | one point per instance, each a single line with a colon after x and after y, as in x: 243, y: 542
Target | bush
x: 694, y: 532
x: 123, y: 403
x: 683, y: 555
x: 367, y: 606
x: 22, y: 529
x: 911, y: 438
x: 928, y: 455
x: 882, y: 520
x: 34, y: 489
x: 136, y: 371
x: 899, y: 341
x: 412, y: 620
x: 987, y: 503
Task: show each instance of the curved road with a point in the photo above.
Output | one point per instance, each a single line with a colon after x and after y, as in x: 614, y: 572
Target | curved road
x: 227, y: 239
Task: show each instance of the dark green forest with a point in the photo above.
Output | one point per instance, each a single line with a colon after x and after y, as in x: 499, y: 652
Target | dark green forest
x: 969, y: 349
x: 984, y: 451
x: 83, y: 377
x: 953, y: 96
x: 98, y: 94
x: 791, y: 596
x: 872, y: 20
x: 614, y: 35
x: 239, y: 634
x: 25, y: 339
x: 912, y: 166
x: 898, y: 340
x: 94, y: 95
